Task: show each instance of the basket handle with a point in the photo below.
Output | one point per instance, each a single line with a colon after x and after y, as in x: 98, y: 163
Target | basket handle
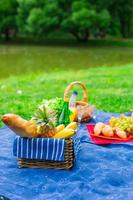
x: 69, y: 87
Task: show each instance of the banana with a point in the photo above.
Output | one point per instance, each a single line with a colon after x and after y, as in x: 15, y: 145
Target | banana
x: 60, y: 128
x: 72, y: 125
x: 66, y: 133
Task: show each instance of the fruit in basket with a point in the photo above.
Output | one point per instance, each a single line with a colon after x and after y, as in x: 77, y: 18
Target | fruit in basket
x: 66, y: 133
x: 107, y: 131
x: 54, y: 107
x: 44, y: 121
x: 72, y: 125
x: 60, y: 128
x: 98, y: 128
x: 45, y: 130
x: 20, y: 126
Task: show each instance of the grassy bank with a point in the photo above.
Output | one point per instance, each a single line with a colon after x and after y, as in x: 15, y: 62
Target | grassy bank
x: 110, y: 89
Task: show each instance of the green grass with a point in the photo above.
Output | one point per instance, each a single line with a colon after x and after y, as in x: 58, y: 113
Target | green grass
x: 109, y: 88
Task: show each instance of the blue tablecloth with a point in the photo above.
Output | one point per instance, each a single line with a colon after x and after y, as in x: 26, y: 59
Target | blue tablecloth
x: 100, y: 172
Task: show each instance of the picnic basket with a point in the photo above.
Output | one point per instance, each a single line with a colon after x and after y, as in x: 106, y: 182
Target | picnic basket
x: 68, y: 148
x: 82, y: 106
x: 66, y: 164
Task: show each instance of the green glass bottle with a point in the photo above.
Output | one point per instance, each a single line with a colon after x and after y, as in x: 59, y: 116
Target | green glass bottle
x: 65, y: 114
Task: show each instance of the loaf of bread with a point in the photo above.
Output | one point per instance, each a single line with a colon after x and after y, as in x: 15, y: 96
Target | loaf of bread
x: 20, y: 126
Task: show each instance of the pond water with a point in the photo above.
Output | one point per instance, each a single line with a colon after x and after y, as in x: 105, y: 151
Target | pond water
x: 21, y: 59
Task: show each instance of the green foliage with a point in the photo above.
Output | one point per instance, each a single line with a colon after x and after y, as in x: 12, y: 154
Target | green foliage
x: 122, y: 17
x: 7, y: 17
x: 24, y: 7
x: 80, y: 18
x: 103, y: 19
x: 38, y: 17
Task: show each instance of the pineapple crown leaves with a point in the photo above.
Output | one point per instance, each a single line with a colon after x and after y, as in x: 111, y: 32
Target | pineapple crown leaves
x: 43, y: 117
x: 48, y: 112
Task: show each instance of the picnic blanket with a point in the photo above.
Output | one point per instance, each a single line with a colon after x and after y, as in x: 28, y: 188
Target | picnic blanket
x: 100, y: 172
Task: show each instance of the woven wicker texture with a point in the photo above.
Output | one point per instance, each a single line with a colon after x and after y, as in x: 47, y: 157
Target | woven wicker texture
x: 67, y: 164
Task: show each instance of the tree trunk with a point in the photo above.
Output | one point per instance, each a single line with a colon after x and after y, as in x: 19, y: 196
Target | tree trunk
x: 75, y: 35
x: 84, y: 36
x: 7, y: 34
x: 102, y: 34
x: 81, y: 37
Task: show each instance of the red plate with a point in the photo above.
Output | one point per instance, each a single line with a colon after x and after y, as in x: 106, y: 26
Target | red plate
x: 101, y: 139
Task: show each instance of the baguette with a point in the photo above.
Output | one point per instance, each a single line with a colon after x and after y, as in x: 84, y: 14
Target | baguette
x: 20, y: 126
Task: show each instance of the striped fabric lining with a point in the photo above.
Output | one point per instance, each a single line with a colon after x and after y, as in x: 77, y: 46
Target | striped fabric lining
x: 39, y: 148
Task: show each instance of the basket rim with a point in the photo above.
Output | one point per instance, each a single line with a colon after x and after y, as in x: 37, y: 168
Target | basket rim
x: 69, y: 87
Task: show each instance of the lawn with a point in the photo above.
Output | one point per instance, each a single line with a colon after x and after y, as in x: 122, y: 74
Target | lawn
x: 109, y: 88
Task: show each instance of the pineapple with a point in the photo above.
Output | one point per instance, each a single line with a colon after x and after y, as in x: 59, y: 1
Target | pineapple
x: 44, y: 120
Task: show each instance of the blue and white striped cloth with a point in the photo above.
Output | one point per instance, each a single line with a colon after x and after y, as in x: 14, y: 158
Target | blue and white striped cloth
x: 39, y: 148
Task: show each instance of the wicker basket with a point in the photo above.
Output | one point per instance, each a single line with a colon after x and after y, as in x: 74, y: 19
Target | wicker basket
x: 82, y: 105
x: 67, y: 164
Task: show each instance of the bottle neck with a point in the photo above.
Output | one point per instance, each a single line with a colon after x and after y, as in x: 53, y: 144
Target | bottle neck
x: 72, y: 103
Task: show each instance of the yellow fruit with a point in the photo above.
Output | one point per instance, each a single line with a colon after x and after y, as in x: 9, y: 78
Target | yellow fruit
x: 66, y: 133
x: 74, y: 114
x: 72, y: 125
x: 60, y: 128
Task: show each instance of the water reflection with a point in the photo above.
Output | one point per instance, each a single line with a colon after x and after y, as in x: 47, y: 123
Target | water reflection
x: 15, y: 60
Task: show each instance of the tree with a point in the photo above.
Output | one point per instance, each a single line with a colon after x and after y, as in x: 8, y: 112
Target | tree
x: 122, y: 15
x: 81, y: 18
x: 38, y: 17
x: 8, y: 11
x: 77, y: 17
